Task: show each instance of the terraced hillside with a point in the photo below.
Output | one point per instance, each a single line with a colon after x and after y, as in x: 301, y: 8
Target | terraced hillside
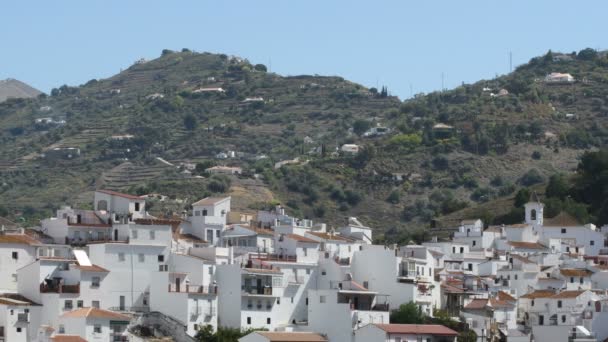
x: 441, y: 152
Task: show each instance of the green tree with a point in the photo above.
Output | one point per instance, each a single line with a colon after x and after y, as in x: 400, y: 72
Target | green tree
x: 522, y: 197
x: 587, y: 54
x: 393, y: 197
x: 533, y: 176
x: 557, y: 187
x: 361, y: 126
x: 407, y: 314
x: 260, y: 67
x: 190, y: 122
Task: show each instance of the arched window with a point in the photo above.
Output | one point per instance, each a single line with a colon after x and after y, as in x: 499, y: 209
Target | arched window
x: 533, y: 215
x: 102, y: 205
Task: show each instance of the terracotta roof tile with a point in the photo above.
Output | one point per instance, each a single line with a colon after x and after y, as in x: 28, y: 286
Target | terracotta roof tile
x: 417, y: 329
x: 276, y: 336
x: 119, y: 194
x: 328, y: 237
x: 477, y: 304
x: 209, y: 201
x: 20, y: 239
x: 562, y: 219
x: 526, y: 245
x: 568, y: 294
x: 502, y: 295
x: 94, y: 268
x: 539, y: 294
x: 95, y: 313
x: 575, y: 272
x: 16, y: 300
x: 300, y: 238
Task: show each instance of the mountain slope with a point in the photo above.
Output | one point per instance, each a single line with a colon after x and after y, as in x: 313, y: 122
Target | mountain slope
x: 11, y: 88
x: 445, y: 150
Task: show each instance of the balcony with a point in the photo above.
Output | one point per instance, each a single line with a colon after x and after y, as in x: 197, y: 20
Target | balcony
x: 118, y: 337
x: 257, y: 290
x: 192, y: 289
x: 52, y: 287
x: 274, y: 257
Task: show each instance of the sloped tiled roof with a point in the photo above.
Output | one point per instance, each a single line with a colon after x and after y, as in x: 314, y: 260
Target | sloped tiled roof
x: 539, y: 294
x: 575, y: 272
x: 95, y: 313
x: 329, y: 237
x: 16, y: 299
x: 276, y: 336
x: 502, y: 295
x: 300, y: 238
x: 417, y: 329
x: 209, y: 201
x: 562, y: 219
x: 119, y: 194
x: 93, y: 268
x: 477, y: 304
x: 67, y: 338
x: 568, y: 294
x: 526, y: 245
x: 20, y: 239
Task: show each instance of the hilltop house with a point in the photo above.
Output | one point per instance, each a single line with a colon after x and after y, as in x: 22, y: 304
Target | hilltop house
x: 556, y: 77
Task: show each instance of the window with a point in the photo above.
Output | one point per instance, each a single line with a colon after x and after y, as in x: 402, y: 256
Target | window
x: 532, y: 302
x: 454, y: 250
x: 571, y: 279
x: 559, y: 303
x: 152, y: 234
x: 136, y: 206
x: 541, y: 320
x: 204, y: 212
x: 249, y: 320
x: 121, y: 256
x: 563, y: 230
x: 97, y: 328
x: 279, y: 301
x: 470, y: 267
x: 95, y: 304
x: 592, y: 242
x: 306, y: 301
x: 15, y: 255
x: 366, y: 284
x: 161, y: 258
x: 79, y: 304
x: 305, y: 251
x: 68, y: 305
x: 95, y: 281
x: 323, y: 272
x: 211, y: 270
x: 308, y: 271
x: 249, y: 303
x: 163, y: 268
x: 134, y: 233
x: 61, y: 329
x: 515, y: 276
x: 268, y: 320
x: 474, y: 243
x: 563, y: 318
x: 197, y: 213
x: 322, y: 299
x: 18, y: 330
x: 581, y: 280
x: 141, y: 257
x: 217, y: 233
x: 461, y: 250
x: 291, y: 300
x: 195, y: 327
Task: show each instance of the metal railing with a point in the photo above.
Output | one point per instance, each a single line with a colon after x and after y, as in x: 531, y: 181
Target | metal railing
x: 50, y: 288
x: 192, y: 289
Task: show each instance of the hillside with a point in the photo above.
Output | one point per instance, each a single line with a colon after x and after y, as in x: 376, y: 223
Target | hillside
x: 443, y: 152
x: 11, y: 88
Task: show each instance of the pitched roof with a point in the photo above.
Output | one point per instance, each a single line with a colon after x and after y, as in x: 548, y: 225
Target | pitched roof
x: 119, y: 194
x: 16, y: 299
x: 568, y: 294
x: 189, y: 237
x: 526, y: 245
x: 562, y: 219
x: 300, y: 238
x: 67, y: 338
x: 539, y: 294
x: 95, y: 313
x: 93, y: 268
x: 276, y: 336
x: 417, y: 329
x: 575, y: 272
x: 477, y: 304
x: 262, y: 270
x: 20, y: 239
x: 209, y: 201
x: 329, y: 237
x: 522, y: 259
x: 502, y: 295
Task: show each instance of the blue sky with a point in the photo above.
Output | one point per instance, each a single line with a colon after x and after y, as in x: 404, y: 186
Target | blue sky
x: 405, y: 45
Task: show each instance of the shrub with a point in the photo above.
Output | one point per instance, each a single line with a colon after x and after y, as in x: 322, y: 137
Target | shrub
x: 531, y: 177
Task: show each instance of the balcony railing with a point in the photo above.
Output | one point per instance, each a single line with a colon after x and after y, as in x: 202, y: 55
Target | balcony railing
x: 255, y: 290
x: 274, y: 257
x: 118, y: 337
x: 192, y: 289
x: 51, y: 288
x: 23, y: 318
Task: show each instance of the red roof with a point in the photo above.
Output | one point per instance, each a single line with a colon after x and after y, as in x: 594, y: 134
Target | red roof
x: 119, y: 194
x: 417, y: 329
x: 477, y: 304
x: 300, y: 238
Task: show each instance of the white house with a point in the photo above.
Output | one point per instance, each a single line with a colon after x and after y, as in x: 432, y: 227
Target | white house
x: 350, y: 148
x: 93, y: 324
x: 404, y: 333
x: 556, y: 77
x: 276, y: 336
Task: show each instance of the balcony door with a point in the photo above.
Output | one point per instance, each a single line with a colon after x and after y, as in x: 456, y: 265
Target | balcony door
x: 122, y: 303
